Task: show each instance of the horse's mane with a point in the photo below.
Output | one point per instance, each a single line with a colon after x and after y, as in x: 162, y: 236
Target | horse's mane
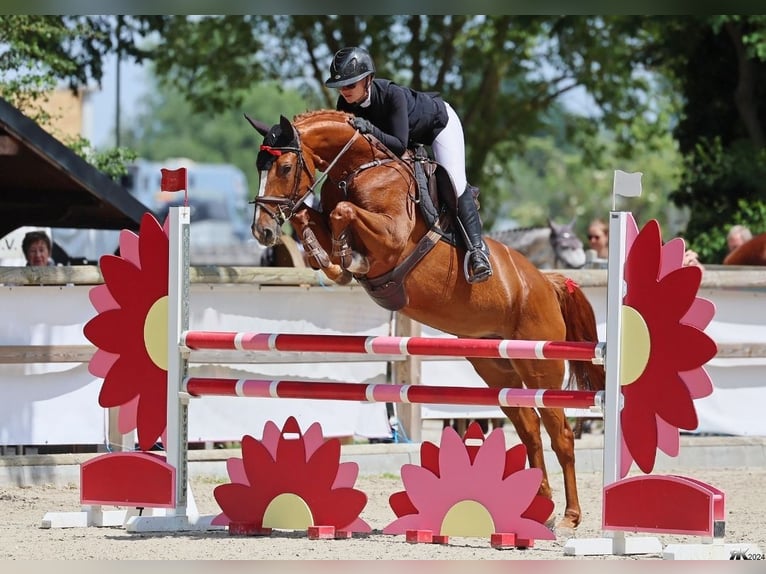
x: 316, y: 115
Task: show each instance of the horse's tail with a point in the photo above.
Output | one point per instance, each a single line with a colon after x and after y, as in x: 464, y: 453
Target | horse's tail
x: 580, y: 322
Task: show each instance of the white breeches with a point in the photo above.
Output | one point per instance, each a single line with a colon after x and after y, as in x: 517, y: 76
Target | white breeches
x: 449, y: 150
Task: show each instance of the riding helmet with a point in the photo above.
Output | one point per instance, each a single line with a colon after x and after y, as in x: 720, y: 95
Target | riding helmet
x: 349, y: 65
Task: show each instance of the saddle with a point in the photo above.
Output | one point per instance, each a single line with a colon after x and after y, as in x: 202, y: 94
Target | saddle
x: 436, y: 195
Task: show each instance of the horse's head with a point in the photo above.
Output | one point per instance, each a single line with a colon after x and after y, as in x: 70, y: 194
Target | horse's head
x: 567, y: 247
x: 285, y: 179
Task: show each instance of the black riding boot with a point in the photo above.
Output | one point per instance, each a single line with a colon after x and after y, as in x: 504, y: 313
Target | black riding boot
x: 477, y: 265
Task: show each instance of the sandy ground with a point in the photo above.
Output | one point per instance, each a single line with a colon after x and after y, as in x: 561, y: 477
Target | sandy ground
x: 22, y: 538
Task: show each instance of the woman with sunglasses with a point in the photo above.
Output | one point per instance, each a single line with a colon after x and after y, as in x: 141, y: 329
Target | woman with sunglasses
x: 401, y: 118
x: 598, y: 238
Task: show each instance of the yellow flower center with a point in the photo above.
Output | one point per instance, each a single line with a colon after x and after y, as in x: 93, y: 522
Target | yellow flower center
x: 468, y: 518
x: 156, y: 333
x: 635, y: 345
x: 288, y: 511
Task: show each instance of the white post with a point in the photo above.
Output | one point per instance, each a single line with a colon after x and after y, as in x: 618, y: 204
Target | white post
x: 184, y: 515
x: 178, y: 321
x: 615, y: 291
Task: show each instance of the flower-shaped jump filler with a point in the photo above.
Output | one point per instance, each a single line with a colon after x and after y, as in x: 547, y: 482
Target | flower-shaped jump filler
x: 465, y: 489
x: 130, y: 331
x: 291, y: 481
x: 663, y: 347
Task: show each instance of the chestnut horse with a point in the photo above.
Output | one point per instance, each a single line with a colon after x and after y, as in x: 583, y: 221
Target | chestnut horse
x: 370, y: 223
x: 752, y: 252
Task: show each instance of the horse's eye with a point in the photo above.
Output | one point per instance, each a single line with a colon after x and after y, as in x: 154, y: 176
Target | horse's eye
x: 284, y: 169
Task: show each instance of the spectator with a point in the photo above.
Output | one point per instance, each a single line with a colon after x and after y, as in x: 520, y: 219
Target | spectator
x: 598, y: 238
x: 738, y: 234
x: 691, y: 259
x: 36, y: 246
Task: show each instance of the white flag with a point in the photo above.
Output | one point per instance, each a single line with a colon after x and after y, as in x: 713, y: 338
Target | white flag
x: 627, y: 184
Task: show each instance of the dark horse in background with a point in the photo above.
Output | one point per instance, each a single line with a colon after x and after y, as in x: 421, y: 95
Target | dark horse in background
x: 752, y: 252
x: 371, y: 227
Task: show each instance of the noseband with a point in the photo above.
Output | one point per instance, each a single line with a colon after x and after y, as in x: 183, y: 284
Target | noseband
x: 282, y: 209
x: 287, y: 207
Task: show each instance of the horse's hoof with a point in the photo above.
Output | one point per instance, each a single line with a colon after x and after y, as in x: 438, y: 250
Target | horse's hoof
x: 562, y: 531
x: 341, y: 278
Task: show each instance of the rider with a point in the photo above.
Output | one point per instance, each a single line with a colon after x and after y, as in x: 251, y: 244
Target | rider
x: 402, y: 117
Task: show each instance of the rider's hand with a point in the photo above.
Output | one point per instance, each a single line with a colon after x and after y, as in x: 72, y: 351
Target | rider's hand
x: 362, y: 125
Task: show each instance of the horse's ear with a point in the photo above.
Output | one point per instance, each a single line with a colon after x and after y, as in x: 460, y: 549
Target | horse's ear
x: 262, y: 128
x: 285, y: 124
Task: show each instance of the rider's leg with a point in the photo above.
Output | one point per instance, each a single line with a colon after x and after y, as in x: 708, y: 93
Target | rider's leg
x: 449, y: 151
x: 479, y: 267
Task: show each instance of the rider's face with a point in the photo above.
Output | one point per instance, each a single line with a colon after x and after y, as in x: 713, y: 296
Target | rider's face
x: 354, y: 93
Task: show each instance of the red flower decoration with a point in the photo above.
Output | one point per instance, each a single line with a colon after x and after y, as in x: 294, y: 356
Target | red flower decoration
x: 130, y: 331
x: 664, y: 347
x: 291, y: 480
x: 463, y: 490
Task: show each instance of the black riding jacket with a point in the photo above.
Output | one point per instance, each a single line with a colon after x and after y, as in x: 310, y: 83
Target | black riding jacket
x: 404, y: 117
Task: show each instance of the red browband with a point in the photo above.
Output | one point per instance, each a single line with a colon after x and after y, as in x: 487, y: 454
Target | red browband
x: 273, y: 151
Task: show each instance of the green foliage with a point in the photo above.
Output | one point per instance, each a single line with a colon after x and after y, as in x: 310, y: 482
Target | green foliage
x: 660, y: 90
x: 729, y: 180
x: 37, y: 53
x: 111, y: 161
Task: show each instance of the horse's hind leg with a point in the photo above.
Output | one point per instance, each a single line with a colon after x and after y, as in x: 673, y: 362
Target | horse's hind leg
x: 543, y: 374
x: 562, y: 443
x: 499, y: 373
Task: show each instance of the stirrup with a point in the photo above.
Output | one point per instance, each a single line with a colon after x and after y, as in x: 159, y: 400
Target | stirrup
x: 471, y: 275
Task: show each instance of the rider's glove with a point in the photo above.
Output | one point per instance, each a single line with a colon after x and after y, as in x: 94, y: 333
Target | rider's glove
x: 363, y: 125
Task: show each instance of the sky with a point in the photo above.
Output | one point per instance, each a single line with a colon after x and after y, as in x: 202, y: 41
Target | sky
x: 101, y: 105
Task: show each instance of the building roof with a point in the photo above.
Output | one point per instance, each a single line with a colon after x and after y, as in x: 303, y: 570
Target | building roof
x: 43, y: 183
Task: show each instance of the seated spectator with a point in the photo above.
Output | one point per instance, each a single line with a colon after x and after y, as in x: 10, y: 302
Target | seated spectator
x: 36, y: 246
x: 738, y: 234
x: 691, y: 259
x: 598, y: 238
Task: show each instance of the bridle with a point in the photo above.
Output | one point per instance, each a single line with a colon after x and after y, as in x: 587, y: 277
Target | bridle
x: 282, y: 209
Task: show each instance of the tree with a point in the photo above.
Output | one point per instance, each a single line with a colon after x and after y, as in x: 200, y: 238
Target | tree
x: 700, y: 78
x: 488, y: 67
x: 167, y: 126
x: 39, y: 52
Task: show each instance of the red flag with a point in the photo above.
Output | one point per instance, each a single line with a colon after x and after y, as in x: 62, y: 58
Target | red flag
x: 173, y: 179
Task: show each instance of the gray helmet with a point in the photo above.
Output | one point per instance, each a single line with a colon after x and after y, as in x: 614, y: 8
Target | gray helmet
x: 349, y: 65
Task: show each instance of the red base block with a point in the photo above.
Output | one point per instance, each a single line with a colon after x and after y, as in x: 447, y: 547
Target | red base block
x: 343, y: 534
x: 501, y: 540
x: 439, y: 539
x: 247, y: 529
x: 415, y: 536
x: 321, y: 532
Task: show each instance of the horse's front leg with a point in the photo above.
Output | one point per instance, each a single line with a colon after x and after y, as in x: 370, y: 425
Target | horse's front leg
x: 376, y: 232
x: 314, y: 234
